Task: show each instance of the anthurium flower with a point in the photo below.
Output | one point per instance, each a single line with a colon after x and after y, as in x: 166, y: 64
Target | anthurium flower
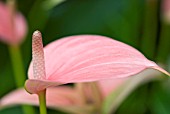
x: 64, y: 98
x: 71, y: 100
x: 82, y: 58
x: 13, y: 28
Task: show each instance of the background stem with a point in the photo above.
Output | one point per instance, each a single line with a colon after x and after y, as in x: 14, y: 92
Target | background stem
x: 150, y: 27
x: 164, y: 43
x: 17, y: 65
x: 19, y: 73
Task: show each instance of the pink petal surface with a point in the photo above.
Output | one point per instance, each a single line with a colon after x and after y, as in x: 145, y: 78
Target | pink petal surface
x: 9, y: 33
x: 86, y: 58
x: 109, y: 86
x: 56, y: 97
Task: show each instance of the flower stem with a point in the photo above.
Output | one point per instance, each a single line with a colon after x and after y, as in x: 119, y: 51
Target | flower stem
x: 19, y: 73
x: 16, y: 58
x: 17, y: 65
x: 42, y: 102
x: 150, y: 28
x: 163, y: 46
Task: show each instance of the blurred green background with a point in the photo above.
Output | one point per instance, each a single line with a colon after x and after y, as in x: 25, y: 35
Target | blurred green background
x: 139, y: 23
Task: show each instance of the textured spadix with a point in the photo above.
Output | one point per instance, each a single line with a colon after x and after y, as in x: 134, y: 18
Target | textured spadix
x: 38, y: 56
x: 87, y: 58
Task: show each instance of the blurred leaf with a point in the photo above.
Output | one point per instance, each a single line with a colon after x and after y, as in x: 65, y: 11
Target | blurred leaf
x: 113, y: 101
x: 37, y: 16
x: 4, y: 55
x: 160, y: 99
x: 152, y: 98
x: 14, y: 110
x: 49, y: 4
x: 6, y: 79
x: 115, y: 18
x: 136, y: 103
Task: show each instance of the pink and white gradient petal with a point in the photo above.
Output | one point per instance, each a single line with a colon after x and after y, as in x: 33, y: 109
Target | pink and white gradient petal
x: 87, y: 58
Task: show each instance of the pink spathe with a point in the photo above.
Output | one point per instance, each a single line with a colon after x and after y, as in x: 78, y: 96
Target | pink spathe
x: 66, y: 98
x: 12, y: 31
x: 87, y: 58
x: 108, y: 86
x: 56, y: 97
x: 59, y: 97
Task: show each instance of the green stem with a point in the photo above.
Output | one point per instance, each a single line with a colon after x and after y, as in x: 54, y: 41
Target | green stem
x: 16, y: 58
x: 17, y: 65
x: 148, y: 42
x: 42, y: 102
x: 28, y: 109
x: 19, y: 73
x: 163, y: 47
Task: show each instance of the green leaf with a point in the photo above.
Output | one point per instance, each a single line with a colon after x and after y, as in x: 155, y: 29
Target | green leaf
x: 119, y: 19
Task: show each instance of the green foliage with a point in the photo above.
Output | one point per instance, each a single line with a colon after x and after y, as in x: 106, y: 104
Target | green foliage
x: 125, y: 20
x: 152, y: 98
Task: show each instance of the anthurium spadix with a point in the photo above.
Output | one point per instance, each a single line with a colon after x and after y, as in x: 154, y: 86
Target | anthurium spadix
x: 82, y: 58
